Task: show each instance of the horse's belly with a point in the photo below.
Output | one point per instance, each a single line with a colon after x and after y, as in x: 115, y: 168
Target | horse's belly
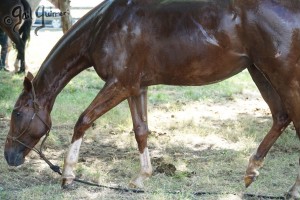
x: 211, y: 69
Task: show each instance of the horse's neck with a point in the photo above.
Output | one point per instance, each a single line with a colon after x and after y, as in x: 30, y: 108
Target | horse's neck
x: 68, y: 58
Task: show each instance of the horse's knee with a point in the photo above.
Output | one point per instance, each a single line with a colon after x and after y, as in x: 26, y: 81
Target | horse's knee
x: 82, y: 124
x: 141, y: 134
x: 281, y: 120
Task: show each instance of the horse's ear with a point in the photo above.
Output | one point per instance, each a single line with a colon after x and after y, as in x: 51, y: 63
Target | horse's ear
x: 30, y: 76
x: 27, y: 84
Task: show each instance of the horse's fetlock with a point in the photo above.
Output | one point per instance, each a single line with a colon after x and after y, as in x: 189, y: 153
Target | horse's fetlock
x: 147, y: 172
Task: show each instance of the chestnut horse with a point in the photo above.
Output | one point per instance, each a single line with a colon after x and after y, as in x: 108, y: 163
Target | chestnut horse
x: 133, y: 44
x: 16, y: 20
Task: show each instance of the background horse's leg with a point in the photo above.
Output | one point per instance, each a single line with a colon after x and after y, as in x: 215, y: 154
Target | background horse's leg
x: 280, y: 122
x: 138, y: 108
x: 15, y: 37
x: 64, y: 6
x: 111, y: 95
x: 21, y: 35
x: 25, y: 33
x: 34, y: 5
x: 9, y: 48
x: 20, y: 56
x: 66, y: 19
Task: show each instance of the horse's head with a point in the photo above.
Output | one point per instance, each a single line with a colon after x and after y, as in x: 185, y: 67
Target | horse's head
x: 29, y: 122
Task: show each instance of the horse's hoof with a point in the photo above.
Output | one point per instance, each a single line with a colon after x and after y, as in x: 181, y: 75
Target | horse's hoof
x: 136, y: 184
x: 292, y: 194
x: 289, y: 196
x: 249, y: 180
x: 67, y: 184
x: 21, y: 72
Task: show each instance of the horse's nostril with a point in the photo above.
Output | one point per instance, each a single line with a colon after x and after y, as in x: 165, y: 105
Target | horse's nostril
x: 14, y: 159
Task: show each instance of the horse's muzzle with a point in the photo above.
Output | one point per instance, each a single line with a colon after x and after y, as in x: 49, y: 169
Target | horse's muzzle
x: 14, y: 158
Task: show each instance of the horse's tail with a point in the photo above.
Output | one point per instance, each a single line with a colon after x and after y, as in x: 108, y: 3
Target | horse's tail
x: 26, y: 26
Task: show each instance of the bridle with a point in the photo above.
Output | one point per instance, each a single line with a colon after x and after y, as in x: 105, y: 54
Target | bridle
x: 36, y: 108
x: 16, y: 138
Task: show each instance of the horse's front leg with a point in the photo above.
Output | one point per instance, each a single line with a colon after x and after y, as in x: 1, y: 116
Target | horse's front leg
x: 138, y: 108
x: 110, y: 96
x: 280, y: 121
x: 70, y: 161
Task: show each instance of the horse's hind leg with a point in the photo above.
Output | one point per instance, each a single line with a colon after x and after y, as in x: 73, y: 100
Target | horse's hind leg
x: 25, y: 32
x: 294, y: 192
x: 138, y: 108
x: 280, y: 122
x: 9, y: 48
x: 20, y: 58
x: 110, y: 96
x: 15, y: 37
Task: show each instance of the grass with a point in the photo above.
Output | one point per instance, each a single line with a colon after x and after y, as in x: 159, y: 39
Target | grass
x: 220, y: 92
x: 207, y: 133
x: 214, y: 151
x: 9, y: 92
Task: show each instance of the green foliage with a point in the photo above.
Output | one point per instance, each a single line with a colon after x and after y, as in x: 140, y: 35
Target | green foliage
x: 222, y: 91
x: 10, y: 88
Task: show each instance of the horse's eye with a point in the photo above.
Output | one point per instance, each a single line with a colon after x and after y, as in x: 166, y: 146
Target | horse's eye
x: 18, y: 114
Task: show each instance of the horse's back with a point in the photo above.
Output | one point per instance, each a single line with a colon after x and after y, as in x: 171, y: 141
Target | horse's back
x: 170, y: 42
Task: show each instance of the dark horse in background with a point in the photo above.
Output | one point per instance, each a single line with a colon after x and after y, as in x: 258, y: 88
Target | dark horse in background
x: 63, y: 5
x: 16, y: 20
x: 133, y: 44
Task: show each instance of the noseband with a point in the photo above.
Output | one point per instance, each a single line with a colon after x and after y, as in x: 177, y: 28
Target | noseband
x: 36, y: 108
